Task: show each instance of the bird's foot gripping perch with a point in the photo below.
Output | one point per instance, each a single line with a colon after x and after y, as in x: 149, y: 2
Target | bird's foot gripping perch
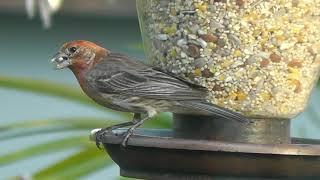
x: 102, y: 132
x: 130, y: 131
x: 135, y: 123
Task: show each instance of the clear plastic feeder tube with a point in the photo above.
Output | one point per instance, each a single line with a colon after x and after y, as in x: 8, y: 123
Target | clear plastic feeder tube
x: 257, y: 57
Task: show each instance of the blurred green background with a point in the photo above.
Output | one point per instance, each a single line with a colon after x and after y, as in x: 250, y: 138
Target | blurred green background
x: 45, y: 120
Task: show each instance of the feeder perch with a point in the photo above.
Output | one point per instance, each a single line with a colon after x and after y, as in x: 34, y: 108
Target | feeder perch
x: 204, y: 148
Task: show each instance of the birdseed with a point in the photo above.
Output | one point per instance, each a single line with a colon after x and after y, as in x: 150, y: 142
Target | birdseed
x: 260, y: 58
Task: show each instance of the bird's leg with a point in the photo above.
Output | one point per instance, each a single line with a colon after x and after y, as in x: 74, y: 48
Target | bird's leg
x: 131, y: 130
x: 136, y: 118
x: 99, y: 135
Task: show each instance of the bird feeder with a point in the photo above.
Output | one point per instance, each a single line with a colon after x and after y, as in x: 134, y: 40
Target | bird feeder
x: 259, y: 58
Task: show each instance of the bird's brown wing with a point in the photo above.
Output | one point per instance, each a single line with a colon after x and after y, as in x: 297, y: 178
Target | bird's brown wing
x: 119, y: 75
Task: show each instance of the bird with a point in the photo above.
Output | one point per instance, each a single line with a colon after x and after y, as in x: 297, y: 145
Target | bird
x: 125, y: 84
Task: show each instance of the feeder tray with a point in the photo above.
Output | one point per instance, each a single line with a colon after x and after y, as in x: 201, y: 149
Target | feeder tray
x: 160, y: 154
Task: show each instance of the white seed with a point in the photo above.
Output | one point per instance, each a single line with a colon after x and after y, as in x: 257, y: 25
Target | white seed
x: 181, y: 42
x: 162, y: 37
x: 183, y: 54
x: 192, y: 36
x: 202, y: 32
x: 203, y: 43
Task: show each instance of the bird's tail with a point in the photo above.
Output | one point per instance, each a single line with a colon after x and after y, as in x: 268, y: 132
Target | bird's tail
x: 206, y: 108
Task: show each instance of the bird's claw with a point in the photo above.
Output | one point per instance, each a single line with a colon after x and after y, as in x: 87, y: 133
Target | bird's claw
x: 124, y: 142
x: 99, y: 135
x: 126, y: 137
x: 98, y: 144
x: 98, y: 139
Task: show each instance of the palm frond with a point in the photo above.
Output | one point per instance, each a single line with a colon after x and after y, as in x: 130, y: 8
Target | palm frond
x: 83, y: 163
x: 52, y: 146
x: 37, y: 127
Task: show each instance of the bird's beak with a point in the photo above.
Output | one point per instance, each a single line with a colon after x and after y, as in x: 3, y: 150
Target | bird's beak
x: 61, y: 60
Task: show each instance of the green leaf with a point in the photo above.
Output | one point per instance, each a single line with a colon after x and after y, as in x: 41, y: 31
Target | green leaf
x: 45, y: 88
x: 83, y: 163
x: 31, y: 132
x: 81, y: 123
x: 28, y: 128
x: 51, y: 89
x: 52, y: 146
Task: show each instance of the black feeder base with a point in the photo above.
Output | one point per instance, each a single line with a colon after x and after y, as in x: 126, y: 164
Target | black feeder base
x: 170, y: 154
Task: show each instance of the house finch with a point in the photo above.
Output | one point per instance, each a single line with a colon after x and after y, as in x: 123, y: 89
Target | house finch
x: 120, y: 83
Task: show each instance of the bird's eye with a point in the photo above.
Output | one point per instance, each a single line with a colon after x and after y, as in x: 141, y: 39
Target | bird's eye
x: 72, y: 50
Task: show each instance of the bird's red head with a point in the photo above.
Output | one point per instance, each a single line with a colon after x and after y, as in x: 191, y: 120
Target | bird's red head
x: 78, y: 55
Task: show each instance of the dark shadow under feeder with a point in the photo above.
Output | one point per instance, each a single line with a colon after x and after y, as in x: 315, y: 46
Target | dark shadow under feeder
x: 205, y: 147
